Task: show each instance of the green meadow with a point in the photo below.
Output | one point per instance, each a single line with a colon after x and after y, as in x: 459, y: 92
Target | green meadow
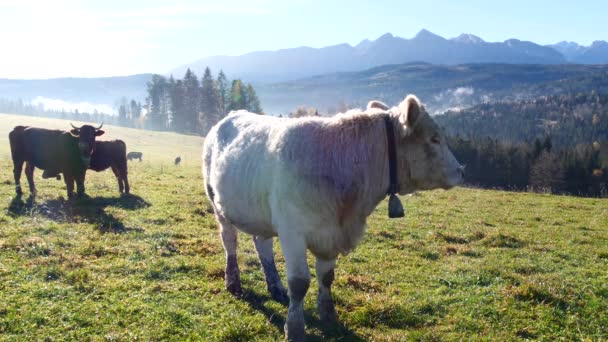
x: 464, y: 264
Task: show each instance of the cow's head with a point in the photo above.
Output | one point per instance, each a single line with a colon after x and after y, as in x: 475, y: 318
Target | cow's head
x: 86, y: 140
x: 424, y: 160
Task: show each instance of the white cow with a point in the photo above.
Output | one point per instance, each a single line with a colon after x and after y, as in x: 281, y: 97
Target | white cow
x: 313, y: 182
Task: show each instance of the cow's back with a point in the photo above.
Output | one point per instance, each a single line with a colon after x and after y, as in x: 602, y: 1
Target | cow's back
x: 109, y: 153
x: 50, y: 149
x: 239, y: 167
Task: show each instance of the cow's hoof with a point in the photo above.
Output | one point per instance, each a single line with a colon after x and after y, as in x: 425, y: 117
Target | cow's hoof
x: 328, y: 317
x: 58, y: 177
x: 295, y: 332
x: 327, y: 311
x: 279, y: 294
x: 235, y: 289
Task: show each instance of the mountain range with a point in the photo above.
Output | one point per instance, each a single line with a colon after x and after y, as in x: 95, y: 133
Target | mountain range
x: 440, y: 87
x: 596, y: 53
x: 301, y: 62
x: 446, y: 73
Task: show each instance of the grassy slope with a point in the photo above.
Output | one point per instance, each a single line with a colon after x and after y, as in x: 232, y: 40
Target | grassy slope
x: 463, y: 264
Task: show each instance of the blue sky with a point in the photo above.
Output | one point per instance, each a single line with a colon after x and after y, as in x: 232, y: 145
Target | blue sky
x: 80, y: 38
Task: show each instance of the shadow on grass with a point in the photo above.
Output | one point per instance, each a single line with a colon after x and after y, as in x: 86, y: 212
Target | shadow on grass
x: 329, y: 331
x: 82, y: 210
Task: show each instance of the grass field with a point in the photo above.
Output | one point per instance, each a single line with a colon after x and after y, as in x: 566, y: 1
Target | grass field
x: 463, y: 264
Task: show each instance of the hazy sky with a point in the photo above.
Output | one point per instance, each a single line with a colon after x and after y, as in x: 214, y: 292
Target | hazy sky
x: 42, y: 39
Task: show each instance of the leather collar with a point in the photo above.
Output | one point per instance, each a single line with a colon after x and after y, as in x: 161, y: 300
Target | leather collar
x: 393, y: 187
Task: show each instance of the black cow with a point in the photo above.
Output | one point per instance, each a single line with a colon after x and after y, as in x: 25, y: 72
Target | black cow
x: 134, y: 155
x: 112, y: 154
x: 178, y: 160
x: 55, y: 152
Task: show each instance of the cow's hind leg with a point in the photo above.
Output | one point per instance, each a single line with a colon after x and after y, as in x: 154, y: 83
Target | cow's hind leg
x: 17, y: 169
x: 119, y: 179
x: 298, y: 281
x: 29, y: 173
x: 325, y: 276
x: 273, y: 281
x: 229, y: 239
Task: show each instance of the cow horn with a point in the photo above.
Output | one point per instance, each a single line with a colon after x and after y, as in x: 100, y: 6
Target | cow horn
x: 98, y: 128
x: 74, y: 126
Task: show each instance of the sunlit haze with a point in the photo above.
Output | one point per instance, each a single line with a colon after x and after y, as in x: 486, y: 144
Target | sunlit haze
x: 64, y: 38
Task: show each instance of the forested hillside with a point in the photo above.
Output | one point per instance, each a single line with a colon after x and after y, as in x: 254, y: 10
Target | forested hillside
x: 556, y: 143
x: 568, y: 119
x: 188, y: 105
x: 440, y: 87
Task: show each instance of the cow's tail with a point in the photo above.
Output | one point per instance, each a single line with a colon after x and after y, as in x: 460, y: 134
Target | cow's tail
x: 208, y: 148
x: 15, y: 138
x: 123, y: 148
x: 122, y: 159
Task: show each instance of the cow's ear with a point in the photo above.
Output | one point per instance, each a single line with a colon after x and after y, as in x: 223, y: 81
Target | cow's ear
x: 377, y: 104
x: 75, y: 133
x: 99, y: 132
x: 409, y: 110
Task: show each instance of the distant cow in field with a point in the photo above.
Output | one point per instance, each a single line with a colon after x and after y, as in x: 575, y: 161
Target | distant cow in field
x: 134, y: 155
x: 313, y: 182
x: 178, y: 160
x: 55, y: 152
x: 112, y: 154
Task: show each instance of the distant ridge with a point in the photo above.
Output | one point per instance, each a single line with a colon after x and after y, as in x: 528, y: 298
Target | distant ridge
x: 98, y: 90
x: 596, y: 53
x: 440, y: 87
x: 425, y: 46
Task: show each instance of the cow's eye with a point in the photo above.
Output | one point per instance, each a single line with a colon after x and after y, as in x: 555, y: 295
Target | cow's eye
x: 435, y: 139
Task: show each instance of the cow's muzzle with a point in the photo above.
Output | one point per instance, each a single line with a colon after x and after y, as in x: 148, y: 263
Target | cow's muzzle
x: 86, y: 161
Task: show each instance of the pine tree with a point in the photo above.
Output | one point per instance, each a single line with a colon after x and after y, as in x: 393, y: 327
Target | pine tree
x: 253, y: 102
x: 157, y: 102
x: 134, y: 112
x: 238, y: 96
x: 547, y: 173
x: 223, y: 93
x: 123, y: 112
x: 547, y: 145
x: 191, y: 102
x: 210, y: 102
x: 122, y: 115
x: 178, y: 118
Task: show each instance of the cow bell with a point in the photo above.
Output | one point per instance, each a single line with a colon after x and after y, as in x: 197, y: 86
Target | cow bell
x: 395, y: 208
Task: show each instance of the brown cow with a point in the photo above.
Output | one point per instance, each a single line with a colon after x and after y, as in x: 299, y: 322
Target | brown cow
x: 112, y: 154
x: 134, y: 155
x: 53, y: 151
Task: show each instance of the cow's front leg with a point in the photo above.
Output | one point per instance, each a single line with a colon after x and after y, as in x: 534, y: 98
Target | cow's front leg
x: 126, y: 181
x: 69, y: 184
x: 232, y: 276
x: 325, y: 276
x: 80, y: 185
x: 298, y: 281
x: 273, y: 281
x: 29, y: 173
